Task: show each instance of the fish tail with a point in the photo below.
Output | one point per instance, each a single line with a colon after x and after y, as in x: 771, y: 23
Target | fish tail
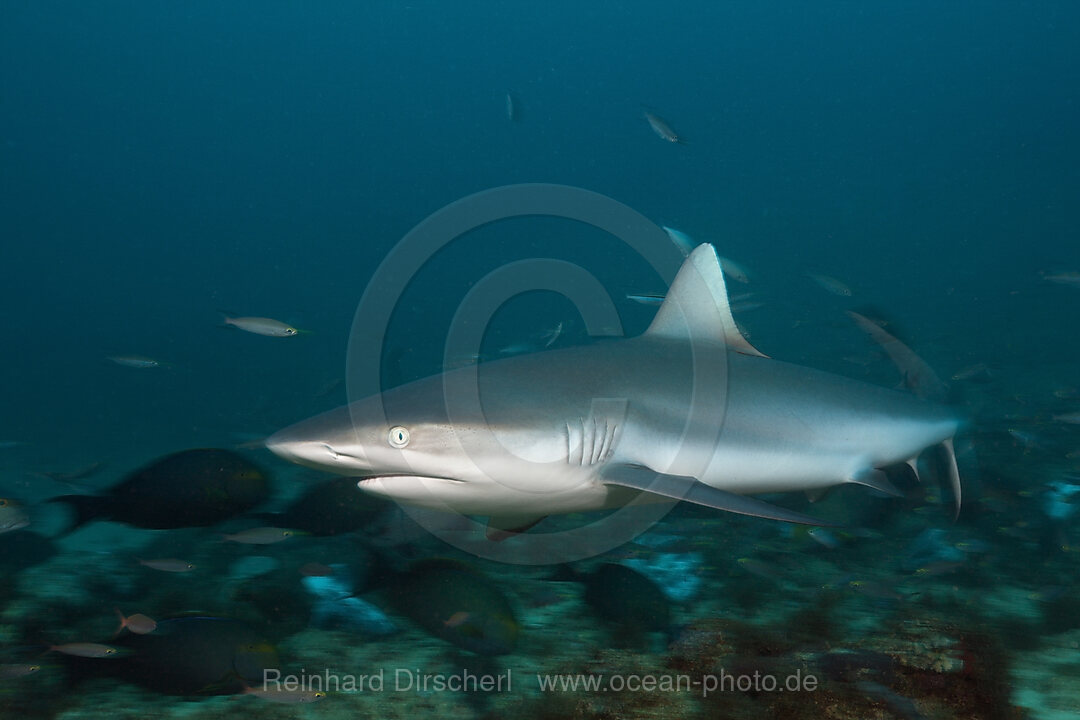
x: 86, y: 507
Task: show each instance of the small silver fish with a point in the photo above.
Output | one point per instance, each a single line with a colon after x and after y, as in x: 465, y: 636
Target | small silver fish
x: 662, y: 129
x: 73, y: 475
x: 1063, y: 278
x: 9, y: 671
x: 647, y: 298
x: 1072, y: 418
x: 733, y: 270
x: 823, y: 536
x: 831, y: 284
x: 761, y: 569
x: 686, y: 245
x: 746, y: 306
x: 262, y: 326
x: 684, y: 242
x: 512, y: 113
x: 136, y: 361
x: 978, y: 372
x: 86, y: 650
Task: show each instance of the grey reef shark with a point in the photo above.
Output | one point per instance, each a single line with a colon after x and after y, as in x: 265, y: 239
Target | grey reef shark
x: 689, y: 411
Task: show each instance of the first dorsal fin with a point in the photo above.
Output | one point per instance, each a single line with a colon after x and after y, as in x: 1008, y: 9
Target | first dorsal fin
x: 696, y: 306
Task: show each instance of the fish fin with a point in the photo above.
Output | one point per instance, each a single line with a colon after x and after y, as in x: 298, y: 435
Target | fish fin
x: 877, y: 480
x: 500, y: 528
x: 913, y: 463
x: 954, y: 473
x: 690, y: 490
x: 696, y: 306
x: 86, y: 507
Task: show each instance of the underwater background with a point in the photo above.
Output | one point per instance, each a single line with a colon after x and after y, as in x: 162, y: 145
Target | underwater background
x: 165, y: 165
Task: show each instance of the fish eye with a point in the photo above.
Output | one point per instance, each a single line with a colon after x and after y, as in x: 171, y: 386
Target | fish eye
x: 3, y: 502
x: 399, y: 436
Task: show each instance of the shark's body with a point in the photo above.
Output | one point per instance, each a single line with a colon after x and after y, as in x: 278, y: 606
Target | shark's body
x: 688, y: 410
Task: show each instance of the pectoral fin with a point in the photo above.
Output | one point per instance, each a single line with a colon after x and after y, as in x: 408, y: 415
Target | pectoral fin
x: 688, y: 489
x: 500, y: 528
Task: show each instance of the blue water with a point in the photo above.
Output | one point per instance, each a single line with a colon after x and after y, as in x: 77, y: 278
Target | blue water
x: 162, y: 161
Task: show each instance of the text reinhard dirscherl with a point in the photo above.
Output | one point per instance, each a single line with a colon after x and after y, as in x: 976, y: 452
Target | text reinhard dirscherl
x: 414, y: 680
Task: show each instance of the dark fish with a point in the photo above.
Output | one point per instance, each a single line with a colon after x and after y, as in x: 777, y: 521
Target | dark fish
x: 624, y: 597
x: 189, y: 656
x: 456, y: 603
x: 168, y: 565
x: 21, y: 549
x: 260, y: 536
x: 289, y: 697
x: 192, y: 488
x: 331, y: 508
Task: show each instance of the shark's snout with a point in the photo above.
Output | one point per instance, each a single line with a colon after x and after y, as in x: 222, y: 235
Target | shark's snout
x: 318, y: 443
x: 284, y: 445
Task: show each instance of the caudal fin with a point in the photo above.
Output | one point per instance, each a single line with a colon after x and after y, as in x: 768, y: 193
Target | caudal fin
x: 953, y: 471
x: 86, y: 507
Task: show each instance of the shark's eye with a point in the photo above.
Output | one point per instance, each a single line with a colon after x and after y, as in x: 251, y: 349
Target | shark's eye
x: 399, y: 436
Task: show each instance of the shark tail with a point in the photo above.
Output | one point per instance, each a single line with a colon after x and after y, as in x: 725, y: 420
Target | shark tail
x: 953, y: 472
x: 922, y: 381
